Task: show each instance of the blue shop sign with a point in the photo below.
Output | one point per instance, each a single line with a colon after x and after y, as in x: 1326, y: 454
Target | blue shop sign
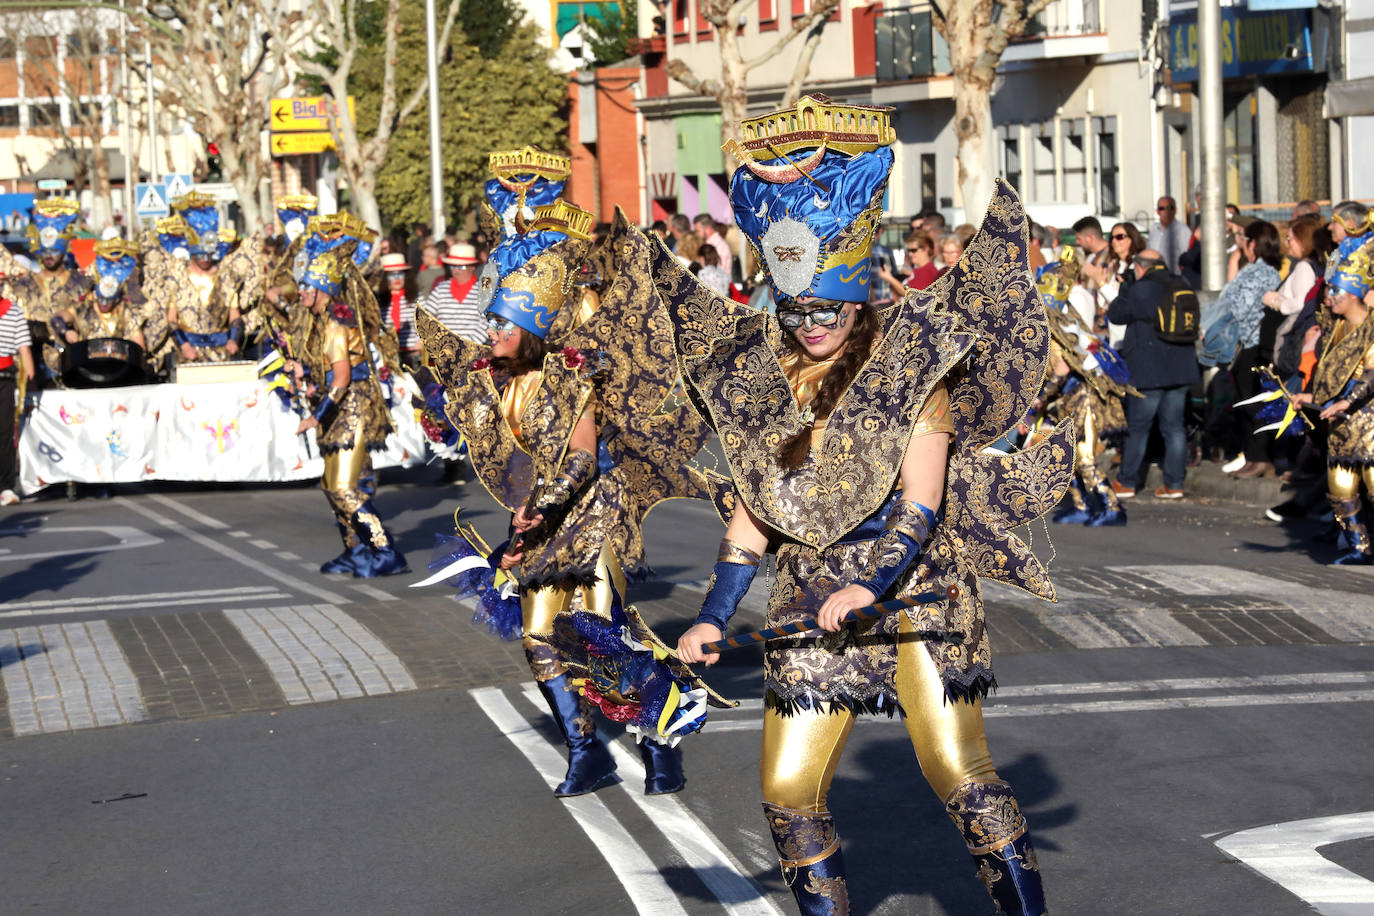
x: 1253, y: 43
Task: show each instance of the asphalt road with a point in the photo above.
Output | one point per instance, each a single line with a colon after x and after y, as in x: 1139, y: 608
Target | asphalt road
x: 194, y: 721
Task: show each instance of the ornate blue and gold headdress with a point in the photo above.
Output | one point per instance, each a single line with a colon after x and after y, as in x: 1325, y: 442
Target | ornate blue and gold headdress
x: 115, y: 260
x: 809, y: 194
x: 1355, y: 274
x: 1055, y: 280
x: 171, y: 235
x: 202, y: 223
x: 533, y: 271
x: 294, y: 211
x: 326, y: 272
x: 51, y: 226
x: 525, y: 179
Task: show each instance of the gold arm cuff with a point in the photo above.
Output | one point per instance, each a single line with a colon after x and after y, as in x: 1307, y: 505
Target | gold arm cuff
x: 730, y: 552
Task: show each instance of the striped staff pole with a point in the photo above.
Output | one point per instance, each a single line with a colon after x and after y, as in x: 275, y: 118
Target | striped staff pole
x: 863, y: 613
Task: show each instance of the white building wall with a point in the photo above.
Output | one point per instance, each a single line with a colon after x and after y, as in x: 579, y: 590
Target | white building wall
x: 1359, y: 132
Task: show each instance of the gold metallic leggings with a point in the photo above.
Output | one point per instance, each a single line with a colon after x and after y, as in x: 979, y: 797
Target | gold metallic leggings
x: 348, y: 483
x: 802, y: 750
x: 540, y: 606
x: 1344, y: 483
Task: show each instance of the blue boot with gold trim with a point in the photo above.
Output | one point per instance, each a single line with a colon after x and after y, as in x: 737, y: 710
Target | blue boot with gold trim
x: 986, y: 813
x: 811, y: 859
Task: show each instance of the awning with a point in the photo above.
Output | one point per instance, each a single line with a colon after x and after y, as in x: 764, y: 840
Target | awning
x: 63, y: 165
x: 1345, y: 98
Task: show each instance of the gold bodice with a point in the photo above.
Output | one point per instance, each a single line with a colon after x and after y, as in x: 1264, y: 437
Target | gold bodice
x: 515, y: 397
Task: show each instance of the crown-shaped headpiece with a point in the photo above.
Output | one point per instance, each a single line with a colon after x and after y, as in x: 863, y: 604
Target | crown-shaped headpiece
x: 561, y: 216
x: 52, y: 224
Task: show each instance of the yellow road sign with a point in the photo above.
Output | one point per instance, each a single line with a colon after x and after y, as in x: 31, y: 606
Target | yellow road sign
x: 301, y: 144
x: 302, y: 113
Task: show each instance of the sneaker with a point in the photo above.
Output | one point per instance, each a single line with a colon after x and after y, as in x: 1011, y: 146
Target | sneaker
x: 1121, y: 490
x: 8, y: 497
x: 1284, y: 511
x: 1235, y: 464
x: 1166, y: 493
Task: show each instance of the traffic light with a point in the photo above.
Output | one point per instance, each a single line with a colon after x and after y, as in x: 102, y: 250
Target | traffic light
x: 214, y: 170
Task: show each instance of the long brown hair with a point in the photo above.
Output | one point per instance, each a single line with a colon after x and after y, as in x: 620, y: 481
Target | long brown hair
x: 529, y: 355
x: 859, y: 344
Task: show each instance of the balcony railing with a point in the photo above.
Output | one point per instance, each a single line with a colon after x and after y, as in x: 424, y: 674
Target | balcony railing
x: 1067, y: 17
x: 906, y: 45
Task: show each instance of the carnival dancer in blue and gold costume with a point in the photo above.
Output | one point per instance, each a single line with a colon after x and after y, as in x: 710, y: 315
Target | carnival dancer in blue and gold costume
x: 855, y: 440
x: 340, y: 323
x: 1086, y: 382
x: 204, y: 323
x: 57, y: 285
x: 1343, y: 389
x: 114, y: 306
x: 565, y: 418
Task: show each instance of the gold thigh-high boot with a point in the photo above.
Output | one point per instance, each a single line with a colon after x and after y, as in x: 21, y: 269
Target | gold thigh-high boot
x: 590, y: 765
x: 1343, y: 489
x: 349, y: 484
x: 952, y: 750
x: 1095, y: 483
x: 344, y: 562
x: 800, y: 753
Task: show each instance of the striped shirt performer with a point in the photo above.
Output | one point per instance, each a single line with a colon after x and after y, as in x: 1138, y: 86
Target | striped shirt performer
x: 454, y: 301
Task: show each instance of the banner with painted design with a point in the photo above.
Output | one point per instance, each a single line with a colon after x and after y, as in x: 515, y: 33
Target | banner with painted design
x: 234, y: 431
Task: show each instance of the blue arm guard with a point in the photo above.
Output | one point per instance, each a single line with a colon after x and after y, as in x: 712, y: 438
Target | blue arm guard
x: 900, y: 544
x: 734, y: 571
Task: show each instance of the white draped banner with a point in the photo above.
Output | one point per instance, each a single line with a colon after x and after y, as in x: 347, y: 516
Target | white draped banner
x: 232, y: 431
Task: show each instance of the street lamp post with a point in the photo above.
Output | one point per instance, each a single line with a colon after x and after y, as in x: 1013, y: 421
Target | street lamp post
x: 1213, y: 144
x: 436, y: 173
x: 152, y: 112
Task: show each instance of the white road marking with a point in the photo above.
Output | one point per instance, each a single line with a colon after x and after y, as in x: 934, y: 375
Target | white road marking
x: 263, y: 545
x: 272, y: 595
x: 373, y: 592
x: 224, y: 550
x: 641, y: 879
x: 720, y: 871
x: 1348, y: 616
x: 240, y: 534
x: 317, y: 654
x: 125, y: 538
x: 62, y: 677
x: 169, y: 597
x: 1287, y: 855
x: 287, y: 555
x: 194, y: 514
x: 1091, y: 621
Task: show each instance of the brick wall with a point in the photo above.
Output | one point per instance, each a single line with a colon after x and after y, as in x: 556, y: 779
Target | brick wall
x: 606, y: 173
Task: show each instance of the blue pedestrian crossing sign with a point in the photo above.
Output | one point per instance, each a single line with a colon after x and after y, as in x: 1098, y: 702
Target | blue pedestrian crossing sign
x: 150, y: 201
x: 178, y: 185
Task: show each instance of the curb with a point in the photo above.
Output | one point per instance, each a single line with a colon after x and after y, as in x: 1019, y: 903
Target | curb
x: 1206, y: 481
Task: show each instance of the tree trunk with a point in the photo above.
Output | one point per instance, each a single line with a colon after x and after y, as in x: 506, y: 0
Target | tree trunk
x: 240, y: 169
x: 101, y: 208
x: 975, y: 164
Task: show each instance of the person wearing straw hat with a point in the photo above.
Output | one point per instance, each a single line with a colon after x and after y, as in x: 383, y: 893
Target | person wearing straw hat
x: 455, y: 301
x: 856, y: 440
x: 398, y: 299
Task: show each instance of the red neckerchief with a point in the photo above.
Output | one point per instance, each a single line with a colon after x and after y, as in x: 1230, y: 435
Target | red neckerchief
x: 396, y: 299
x: 459, y: 291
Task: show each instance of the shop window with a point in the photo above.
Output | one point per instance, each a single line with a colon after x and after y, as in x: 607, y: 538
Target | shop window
x: 7, y: 47
x: 40, y: 47
x: 1238, y: 127
x: 1075, y: 164
x: 1011, y: 157
x: 1108, y: 191
x: 768, y: 15
x: 9, y: 115
x: 45, y: 114
x: 929, y: 191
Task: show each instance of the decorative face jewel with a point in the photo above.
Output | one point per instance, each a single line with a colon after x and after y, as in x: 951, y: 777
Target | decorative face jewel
x: 294, y: 227
x: 47, y: 237
x: 791, y: 251
x: 299, y: 265
x: 107, y: 288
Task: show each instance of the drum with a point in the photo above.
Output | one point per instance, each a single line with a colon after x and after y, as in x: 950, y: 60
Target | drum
x: 102, y: 362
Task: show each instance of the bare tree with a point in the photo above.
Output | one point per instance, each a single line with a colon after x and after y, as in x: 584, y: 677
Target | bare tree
x: 69, y: 61
x: 977, y: 32
x: 334, y: 25
x: 731, y: 88
x: 217, y: 66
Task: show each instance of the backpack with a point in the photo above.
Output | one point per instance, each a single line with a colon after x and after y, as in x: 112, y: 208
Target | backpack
x: 1179, y: 313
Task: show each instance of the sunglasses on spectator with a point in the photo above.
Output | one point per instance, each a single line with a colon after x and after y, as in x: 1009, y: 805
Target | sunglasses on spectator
x: 1119, y: 236
x: 1165, y: 207
x: 823, y: 316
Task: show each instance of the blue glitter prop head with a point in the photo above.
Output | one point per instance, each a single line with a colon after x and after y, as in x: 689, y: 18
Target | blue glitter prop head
x: 294, y: 212
x: 525, y: 179
x: 115, y: 260
x: 202, y: 223
x: 1355, y: 273
x: 52, y: 225
x: 809, y: 195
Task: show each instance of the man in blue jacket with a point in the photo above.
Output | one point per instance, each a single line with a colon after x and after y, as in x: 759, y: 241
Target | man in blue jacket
x: 1162, y: 371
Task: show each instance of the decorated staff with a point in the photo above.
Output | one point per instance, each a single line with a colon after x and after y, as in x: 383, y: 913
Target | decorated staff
x: 566, y: 424
x: 856, y: 441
